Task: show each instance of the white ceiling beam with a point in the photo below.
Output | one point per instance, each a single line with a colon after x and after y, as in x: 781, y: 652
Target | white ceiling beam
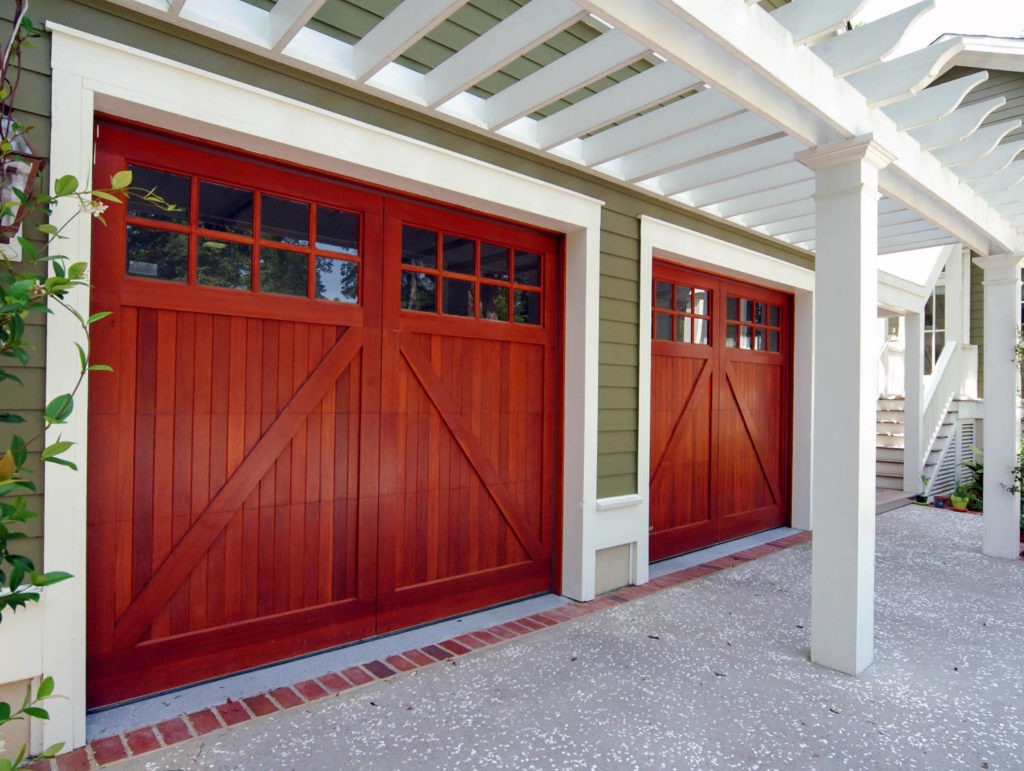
x: 763, y: 180
x: 893, y: 229
x: 693, y: 112
x: 810, y: 20
x: 933, y: 237
x: 956, y: 126
x: 410, y: 21
x: 602, y: 56
x: 778, y: 213
x: 978, y: 145
x: 1009, y: 177
x: 994, y: 162
x: 799, y: 238
x: 506, y: 41
x: 790, y: 226
x: 232, y: 18
x: 174, y: 7
x: 869, y: 44
x: 745, y: 161
x: 886, y: 204
x: 717, y: 140
x: 614, y: 103
x: 765, y: 199
x: 933, y: 103
x: 906, y: 75
x: 1006, y: 196
x: 897, y: 217
x: 287, y: 17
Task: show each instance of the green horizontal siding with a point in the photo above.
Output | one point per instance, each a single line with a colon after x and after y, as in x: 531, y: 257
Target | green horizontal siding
x: 619, y: 303
x: 978, y: 322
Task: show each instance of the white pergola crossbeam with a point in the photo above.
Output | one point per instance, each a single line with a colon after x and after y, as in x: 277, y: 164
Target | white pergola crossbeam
x: 232, y: 18
x: 869, y: 44
x: 750, y: 159
x: 904, y: 76
x: 997, y: 160
x: 1009, y: 177
x: 602, y: 56
x: 978, y: 145
x: 718, y: 140
x: 933, y: 103
x: 395, y: 33
x: 757, y: 181
x: 523, y: 31
x: 779, y: 213
x: 956, y: 126
x: 701, y: 109
x: 809, y: 20
x: 765, y: 199
x: 287, y: 17
x: 614, y: 103
x: 788, y: 227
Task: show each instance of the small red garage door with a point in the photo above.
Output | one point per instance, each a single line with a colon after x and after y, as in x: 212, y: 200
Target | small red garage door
x: 720, y: 410
x: 331, y: 415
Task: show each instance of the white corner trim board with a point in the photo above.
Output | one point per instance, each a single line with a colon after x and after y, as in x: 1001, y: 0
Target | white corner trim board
x: 90, y: 74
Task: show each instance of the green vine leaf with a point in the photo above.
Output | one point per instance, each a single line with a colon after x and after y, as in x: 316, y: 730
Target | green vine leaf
x: 66, y: 185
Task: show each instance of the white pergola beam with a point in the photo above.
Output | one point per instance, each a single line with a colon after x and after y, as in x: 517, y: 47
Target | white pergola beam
x: 869, y: 44
x: 809, y: 20
x: 231, y: 18
x: 956, y: 126
x: 788, y: 227
x: 1009, y: 177
x: 287, y: 17
x: 718, y: 140
x: 933, y: 103
x: 174, y: 7
x: 978, y: 145
x: 906, y: 75
x: 410, y: 21
x: 506, y: 41
x: 757, y: 181
x: 765, y: 198
x: 602, y: 56
x: 702, y: 109
x: 777, y: 214
x: 742, y: 162
x: 614, y: 103
x: 993, y: 163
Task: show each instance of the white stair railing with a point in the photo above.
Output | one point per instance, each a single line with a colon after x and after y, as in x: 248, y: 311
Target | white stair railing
x: 942, y: 389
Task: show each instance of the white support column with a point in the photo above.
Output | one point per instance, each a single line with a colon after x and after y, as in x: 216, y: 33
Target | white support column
x: 1002, y: 403
x: 845, y: 370
x: 913, y: 404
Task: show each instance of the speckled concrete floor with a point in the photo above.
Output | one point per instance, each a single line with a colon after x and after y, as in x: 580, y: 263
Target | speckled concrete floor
x: 713, y: 673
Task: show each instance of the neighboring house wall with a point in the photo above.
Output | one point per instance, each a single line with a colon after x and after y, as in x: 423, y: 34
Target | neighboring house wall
x: 617, y: 448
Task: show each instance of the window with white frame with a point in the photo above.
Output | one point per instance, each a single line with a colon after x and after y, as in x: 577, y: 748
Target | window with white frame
x: 934, y: 325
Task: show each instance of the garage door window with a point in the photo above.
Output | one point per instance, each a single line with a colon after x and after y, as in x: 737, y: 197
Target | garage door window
x: 234, y: 238
x: 682, y: 313
x: 752, y: 325
x: 458, y: 276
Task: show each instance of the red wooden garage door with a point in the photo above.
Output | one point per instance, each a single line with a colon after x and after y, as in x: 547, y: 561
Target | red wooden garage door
x: 331, y: 415
x: 720, y: 406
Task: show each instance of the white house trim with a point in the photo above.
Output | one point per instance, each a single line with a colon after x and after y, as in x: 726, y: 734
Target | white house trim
x: 90, y: 73
x: 697, y: 250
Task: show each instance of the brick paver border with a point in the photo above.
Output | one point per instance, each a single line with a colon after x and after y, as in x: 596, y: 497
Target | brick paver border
x: 140, y: 741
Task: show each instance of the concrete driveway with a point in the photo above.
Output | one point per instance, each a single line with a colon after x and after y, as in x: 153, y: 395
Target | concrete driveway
x: 710, y: 673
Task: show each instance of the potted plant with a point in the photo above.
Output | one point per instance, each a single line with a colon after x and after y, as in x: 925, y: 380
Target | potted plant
x: 959, y: 497
x: 922, y: 497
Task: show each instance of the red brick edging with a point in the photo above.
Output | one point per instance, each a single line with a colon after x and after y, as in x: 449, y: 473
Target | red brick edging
x: 111, y: 749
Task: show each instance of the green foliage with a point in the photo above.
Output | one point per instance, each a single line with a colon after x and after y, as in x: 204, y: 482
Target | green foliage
x: 29, y: 708
x: 40, y: 284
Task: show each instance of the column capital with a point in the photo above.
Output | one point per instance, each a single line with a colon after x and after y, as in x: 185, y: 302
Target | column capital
x: 994, y: 262
x: 843, y: 151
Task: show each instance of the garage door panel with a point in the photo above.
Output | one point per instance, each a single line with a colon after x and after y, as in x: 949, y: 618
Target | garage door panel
x: 293, y: 471
x: 722, y: 470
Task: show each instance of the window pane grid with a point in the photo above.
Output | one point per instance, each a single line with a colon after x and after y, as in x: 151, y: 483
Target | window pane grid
x: 244, y: 239
x: 456, y: 275
x: 682, y: 313
x: 753, y: 325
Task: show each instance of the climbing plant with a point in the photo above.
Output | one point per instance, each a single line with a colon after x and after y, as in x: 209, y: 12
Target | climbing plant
x: 38, y: 283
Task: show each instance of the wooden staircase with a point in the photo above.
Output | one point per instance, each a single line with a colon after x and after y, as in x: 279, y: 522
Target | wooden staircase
x: 889, y: 439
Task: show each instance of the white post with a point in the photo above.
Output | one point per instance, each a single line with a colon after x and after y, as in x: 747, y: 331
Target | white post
x: 1002, y: 403
x: 845, y: 369
x: 913, y: 405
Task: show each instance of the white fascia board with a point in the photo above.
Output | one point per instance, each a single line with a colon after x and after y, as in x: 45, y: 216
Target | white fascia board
x: 984, y: 52
x: 899, y: 294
